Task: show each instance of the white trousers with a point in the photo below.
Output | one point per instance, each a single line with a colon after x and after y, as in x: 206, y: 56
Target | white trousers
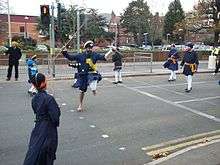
x: 189, y: 81
x: 93, y: 85
x: 172, y: 75
x: 118, y: 76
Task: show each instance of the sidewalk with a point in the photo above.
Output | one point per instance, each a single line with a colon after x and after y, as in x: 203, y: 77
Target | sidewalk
x: 106, y: 69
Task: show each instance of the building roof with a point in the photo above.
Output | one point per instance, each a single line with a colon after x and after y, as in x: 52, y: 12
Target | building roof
x: 18, y: 18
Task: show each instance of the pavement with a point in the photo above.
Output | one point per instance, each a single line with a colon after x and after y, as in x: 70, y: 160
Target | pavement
x: 123, y: 121
x: 106, y: 69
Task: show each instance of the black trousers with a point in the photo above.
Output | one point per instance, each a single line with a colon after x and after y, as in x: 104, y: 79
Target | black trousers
x: 10, y: 70
x: 217, y: 66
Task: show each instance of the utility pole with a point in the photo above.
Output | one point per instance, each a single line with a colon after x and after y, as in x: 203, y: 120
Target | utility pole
x: 52, y: 39
x: 9, y: 24
x: 78, y: 30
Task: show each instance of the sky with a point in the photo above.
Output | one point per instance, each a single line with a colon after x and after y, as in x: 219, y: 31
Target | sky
x: 32, y: 7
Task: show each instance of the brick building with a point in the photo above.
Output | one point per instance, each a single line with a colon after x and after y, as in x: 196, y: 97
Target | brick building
x: 21, y: 25
x: 123, y: 37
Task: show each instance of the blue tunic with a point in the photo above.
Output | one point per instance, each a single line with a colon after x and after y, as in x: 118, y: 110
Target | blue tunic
x: 174, y: 53
x: 85, y: 73
x: 189, y: 57
x: 44, y: 140
x: 32, y: 69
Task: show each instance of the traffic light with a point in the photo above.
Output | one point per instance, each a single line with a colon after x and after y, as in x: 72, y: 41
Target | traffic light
x: 45, y: 14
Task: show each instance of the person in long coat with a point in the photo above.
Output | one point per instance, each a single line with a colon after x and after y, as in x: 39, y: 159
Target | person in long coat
x: 173, y: 59
x: 14, y: 53
x: 190, y: 62
x: 44, y: 137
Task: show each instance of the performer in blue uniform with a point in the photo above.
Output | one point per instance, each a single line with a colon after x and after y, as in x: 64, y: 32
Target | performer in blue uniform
x: 44, y: 139
x: 190, y: 62
x: 32, y: 71
x: 117, y: 59
x: 87, y: 70
x: 173, y: 62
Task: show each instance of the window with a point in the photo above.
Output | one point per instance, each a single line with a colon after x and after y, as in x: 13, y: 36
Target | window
x: 21, y: 29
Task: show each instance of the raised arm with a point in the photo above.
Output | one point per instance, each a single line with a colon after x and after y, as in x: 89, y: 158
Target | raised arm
x: 71, y: 57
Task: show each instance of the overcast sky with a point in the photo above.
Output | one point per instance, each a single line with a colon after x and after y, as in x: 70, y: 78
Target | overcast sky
x: 32, y: 7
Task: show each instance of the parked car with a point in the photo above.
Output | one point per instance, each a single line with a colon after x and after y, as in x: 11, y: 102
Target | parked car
x: 42, y: 48
x: 3, y: 49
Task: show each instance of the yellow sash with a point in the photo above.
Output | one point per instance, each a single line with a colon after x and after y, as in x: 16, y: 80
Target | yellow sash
x: 91, y: 64
x: 193, y: 67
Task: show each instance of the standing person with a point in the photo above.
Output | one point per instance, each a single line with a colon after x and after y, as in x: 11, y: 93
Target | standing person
x: 87, y: 72
x: 14, y: 53
x: 44, y: 139
x: 190, y: 62
x: 216, y: 52
x: 32, y: 71
x: 117, y: 59
x: 173, y: 62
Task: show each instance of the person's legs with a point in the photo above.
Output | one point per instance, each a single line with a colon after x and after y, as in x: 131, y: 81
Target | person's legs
x: 119, y: 76
x: 171, y: 75
x: 81, y: 97
x: 174, y: 75
x: 217, y: 67
x: 93, y: 86
x: 189, y: 83
x: 16, y: 71
x: 116, y: 76
x: 9, y: 71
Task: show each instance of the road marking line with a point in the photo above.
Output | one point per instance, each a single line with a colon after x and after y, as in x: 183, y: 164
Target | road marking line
x: 105, y: 136
x: 174, y: 104
x: 182, y: 152
x: 181, y: 140
x: 199, y: 99
x: 183, y: 145
x: 168, y: 85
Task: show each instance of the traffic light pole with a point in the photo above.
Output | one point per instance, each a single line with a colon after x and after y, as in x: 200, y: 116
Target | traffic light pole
x: 52, y: 43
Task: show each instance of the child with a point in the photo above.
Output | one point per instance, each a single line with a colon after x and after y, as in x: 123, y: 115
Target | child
x: 44, y: 139
x: 32, y: 71
x: 117, y: 59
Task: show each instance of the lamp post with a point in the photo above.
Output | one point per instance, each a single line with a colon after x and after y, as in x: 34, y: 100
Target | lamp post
x: 168, y: 34
x: 25, y: 27
x: 145, y: 39
x: 9, y: 24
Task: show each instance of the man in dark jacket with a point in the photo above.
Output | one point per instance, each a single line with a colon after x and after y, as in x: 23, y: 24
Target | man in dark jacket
x: 117, y: 59
x: 14, y: 55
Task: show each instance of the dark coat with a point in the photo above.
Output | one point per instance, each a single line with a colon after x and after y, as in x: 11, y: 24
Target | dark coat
x: 44, y: 139
x: 173, y: 54
x: 117, y: 59
x: 189, y: 57
x: 14, y: 55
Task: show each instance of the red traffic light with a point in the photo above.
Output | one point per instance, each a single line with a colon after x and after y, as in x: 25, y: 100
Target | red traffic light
x: 45, y: 10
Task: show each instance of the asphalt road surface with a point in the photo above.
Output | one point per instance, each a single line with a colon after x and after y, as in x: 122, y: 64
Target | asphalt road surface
x: 118, y: 123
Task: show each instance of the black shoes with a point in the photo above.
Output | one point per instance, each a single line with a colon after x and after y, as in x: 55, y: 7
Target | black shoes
x: 188, y: 90
x: 172, y: 80
x: 117, y: 82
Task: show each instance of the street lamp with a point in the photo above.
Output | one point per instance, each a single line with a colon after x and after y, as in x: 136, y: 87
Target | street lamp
x: 25, y: 18
x: 145, y: 39
x: 168, y: 34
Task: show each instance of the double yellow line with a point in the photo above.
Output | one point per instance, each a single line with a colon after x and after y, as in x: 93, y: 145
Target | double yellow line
x: 164, y: 149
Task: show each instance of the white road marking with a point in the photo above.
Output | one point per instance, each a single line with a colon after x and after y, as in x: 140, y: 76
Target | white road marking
x: 199, y: 99
x: 72, y: 110
x: 122, y: 148
x: 92, y: 126
x: 105, y: 136
x: 181, y: 152
x: 81, y: 118
x: 174, y: 104
x: 63, y: 104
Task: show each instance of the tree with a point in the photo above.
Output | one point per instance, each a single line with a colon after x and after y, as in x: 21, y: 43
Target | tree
x: 136, y: 19
x: 3, y: 6
x: 174, y: 15
x: 95, y: 26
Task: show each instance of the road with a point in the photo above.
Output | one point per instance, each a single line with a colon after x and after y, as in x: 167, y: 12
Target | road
x: 119, y: 123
